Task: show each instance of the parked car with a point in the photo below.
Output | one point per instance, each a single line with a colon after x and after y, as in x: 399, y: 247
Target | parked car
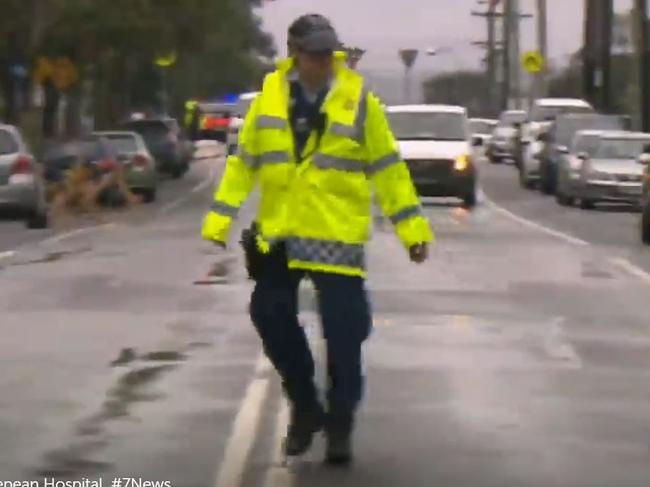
x: 435, y: 142
x: 215, y: 120
x: 503, y: 144
x: 22, y: 187
x: 559, y: 135
x: 93, y: 153
x: 613, y: 172
x: 569, y: 176
x: 139, y: 165
x: 237, y: 121
x: 645, y: 198
x: 165, y: 141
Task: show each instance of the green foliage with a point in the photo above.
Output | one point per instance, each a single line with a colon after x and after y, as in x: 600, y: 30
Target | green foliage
x: 114, y: 42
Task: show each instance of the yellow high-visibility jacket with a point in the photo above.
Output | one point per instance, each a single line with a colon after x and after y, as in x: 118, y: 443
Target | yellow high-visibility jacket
x: 321, y: 206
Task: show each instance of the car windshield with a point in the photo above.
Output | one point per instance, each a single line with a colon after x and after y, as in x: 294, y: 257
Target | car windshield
x: 150, y: 130
x: 620, y: 148
x: 508, y: 119
x: 545, y: 113
x: 122, y: 143
x: 566, y: 128
x: 585, y: 143
x: 94, y: 149
x: 428, y: 125
x: 481, y: 126
x: 8, y: 144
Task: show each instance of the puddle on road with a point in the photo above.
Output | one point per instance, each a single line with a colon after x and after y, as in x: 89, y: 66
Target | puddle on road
x: 91, y: 434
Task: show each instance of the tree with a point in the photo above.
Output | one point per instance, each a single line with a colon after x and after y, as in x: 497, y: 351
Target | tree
x: 114, y: 42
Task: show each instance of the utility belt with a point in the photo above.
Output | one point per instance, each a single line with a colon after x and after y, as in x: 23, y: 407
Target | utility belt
x: 256, y: 260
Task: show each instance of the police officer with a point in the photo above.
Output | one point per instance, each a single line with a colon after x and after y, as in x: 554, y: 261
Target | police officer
x: 317, y: 142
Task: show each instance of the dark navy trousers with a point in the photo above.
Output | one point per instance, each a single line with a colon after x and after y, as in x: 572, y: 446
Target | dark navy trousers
x: 346, y: 320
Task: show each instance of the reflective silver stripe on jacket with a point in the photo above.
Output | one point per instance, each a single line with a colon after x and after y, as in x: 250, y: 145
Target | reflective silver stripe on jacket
x: 383, y: 163
x: 326, y: 252
x: 273, y: 157
x: 406, y: 213
x: 362, y: 114
x: 356, y: 131
x: 270, y: 122
x: 325, y: 161
x: 250, y: 160
x: 224, y: 209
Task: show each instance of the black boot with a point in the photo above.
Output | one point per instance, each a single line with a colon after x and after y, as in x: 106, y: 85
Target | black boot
x: 339, y: 440
x: 302, y: 427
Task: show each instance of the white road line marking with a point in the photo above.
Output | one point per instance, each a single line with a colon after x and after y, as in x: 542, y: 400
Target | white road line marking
x: 279, y: 475
x: 630, y: 268
x: 537, y: 226
x: 557, y: 346
x: 66, y: 235
x: 197, y: 188
x: 244, y: 433
x: 7, y: 254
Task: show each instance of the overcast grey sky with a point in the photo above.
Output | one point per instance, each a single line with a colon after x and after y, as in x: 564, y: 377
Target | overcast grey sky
x: 383, y: 26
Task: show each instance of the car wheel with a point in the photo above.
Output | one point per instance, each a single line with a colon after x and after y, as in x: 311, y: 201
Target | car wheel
x: 149, y: 195
x: 469, y: 201
x: 37, y: 219
x: 586, y: 204
x: 177, y: 172
x: 524, y: 181
x: 645, y: 225
x: 562, y: 199
x: 547, y: 186
x: 495, y: 160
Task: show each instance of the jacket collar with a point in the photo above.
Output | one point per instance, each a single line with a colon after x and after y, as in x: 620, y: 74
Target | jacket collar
x: 285, y: 66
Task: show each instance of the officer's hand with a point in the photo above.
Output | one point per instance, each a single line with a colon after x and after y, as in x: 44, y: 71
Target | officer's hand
x: 419, y: 253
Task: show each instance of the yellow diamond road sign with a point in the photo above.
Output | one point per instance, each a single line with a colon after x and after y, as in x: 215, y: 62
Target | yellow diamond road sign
x: 533, y: 61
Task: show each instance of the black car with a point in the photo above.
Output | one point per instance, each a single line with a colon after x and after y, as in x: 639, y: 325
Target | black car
x: 166, y: 143
x: 558, y: 137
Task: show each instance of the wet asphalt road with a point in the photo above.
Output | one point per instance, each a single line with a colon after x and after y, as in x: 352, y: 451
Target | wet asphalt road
x: 615, y: 228
x: 514, y: 357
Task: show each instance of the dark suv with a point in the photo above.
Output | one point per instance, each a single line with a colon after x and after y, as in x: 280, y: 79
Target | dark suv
x: 166, y: 143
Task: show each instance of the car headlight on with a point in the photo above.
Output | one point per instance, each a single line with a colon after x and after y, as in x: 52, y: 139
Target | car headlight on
x: 462, y: 162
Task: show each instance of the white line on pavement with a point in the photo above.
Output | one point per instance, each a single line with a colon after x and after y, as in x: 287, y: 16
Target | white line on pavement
x: 244, y: 431
x: 630, y: 268
x: 66, y: 235
x: 197, y: 188
x: 279, y: 475
x: 537, y: 226
x: 7, y: 254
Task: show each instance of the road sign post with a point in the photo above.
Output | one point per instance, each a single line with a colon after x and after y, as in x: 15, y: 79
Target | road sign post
x: 408, y: 58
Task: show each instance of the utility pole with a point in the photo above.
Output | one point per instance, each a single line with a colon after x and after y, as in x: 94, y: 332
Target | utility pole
x: 491, y: 16
x: 588, y: 55
x: 605, y: 53
x: 597, y: 52
x: 507, y: 50
x: 643, y: 51
x: 542, y: 42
